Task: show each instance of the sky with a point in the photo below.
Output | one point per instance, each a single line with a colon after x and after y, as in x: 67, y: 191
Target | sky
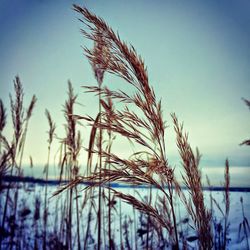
x: 197, y: 54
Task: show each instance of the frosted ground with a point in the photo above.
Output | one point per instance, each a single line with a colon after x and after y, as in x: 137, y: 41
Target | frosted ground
x: 122, y: 213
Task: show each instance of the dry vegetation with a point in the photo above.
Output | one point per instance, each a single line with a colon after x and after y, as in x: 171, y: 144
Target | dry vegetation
x: 139, y: 120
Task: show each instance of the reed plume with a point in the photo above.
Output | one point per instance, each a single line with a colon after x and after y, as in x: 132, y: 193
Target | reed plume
x: 26, y: 120
x: 148, y: 130
x: 17, y: 121
x: 69, y: 164
x: 99, y: 70
x: 20, y: 121
x: 17, y: 110
x: 192, y: 180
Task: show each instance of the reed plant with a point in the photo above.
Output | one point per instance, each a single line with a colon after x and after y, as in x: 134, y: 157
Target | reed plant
x: 20, y: 132
x: 141, y: 121
x: 244, y: 226
x: 227, y: 204
x: 69, y: 164
x: 51, y: 133
x: 99, y: 70
x: 15, y: 148
x: 147, y: 131
x: 137, y: 117
x: 3, y: 117
x: 5, y: 152
x: 200, y: 215
x: 221, y: 226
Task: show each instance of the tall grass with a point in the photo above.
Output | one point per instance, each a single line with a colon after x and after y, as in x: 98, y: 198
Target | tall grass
x: 149, y: 166
x: 12, y: 157
x: 51, y: 133
x: 99, y: 70
x: 155, y: 217
x: 4, y: 153
x: 70, y: 164
x: 147, y: 130
x: 192, y: 179
x: 244, y: 225
x: 137, y: 118
x: 227, y: 203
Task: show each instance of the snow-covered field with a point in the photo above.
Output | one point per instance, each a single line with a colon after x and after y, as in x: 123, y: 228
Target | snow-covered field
x: 29, y: 220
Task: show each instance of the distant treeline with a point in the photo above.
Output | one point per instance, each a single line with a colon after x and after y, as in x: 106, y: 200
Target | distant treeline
x: 28, y: 179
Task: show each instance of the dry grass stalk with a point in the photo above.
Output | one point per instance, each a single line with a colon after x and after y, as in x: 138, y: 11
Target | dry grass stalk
x: 71, y: 146
x: 246, y: 142
x: 52, y: 127
x: 244, y: 225
x: 23, y: 122
x: 3, y: 141
x: 144, y: 207
x: 109, y: 108
x: 99, y: 64
x: 3, y: 117
x: 99, y: 70
x: 15, y: 148
x: 21, y: 146
x: 17, y: 111
x: 51, y: 133
x: 5, y: 155
x: 148, y: 131
x: 227, y: 203
x: 192, y: 179
x: 26, y: 120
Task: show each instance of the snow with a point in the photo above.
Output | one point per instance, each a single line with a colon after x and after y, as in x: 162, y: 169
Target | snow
x: 29, y: 227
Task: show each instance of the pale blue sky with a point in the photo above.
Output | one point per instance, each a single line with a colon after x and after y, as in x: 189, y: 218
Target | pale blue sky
x: 197, y: 53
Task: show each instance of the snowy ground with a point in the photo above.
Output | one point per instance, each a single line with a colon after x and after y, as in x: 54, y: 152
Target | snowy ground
x: 122, y: 214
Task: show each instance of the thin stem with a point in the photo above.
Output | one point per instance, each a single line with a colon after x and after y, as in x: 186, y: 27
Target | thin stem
x: 99, y: 188
x: 45, y: 210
